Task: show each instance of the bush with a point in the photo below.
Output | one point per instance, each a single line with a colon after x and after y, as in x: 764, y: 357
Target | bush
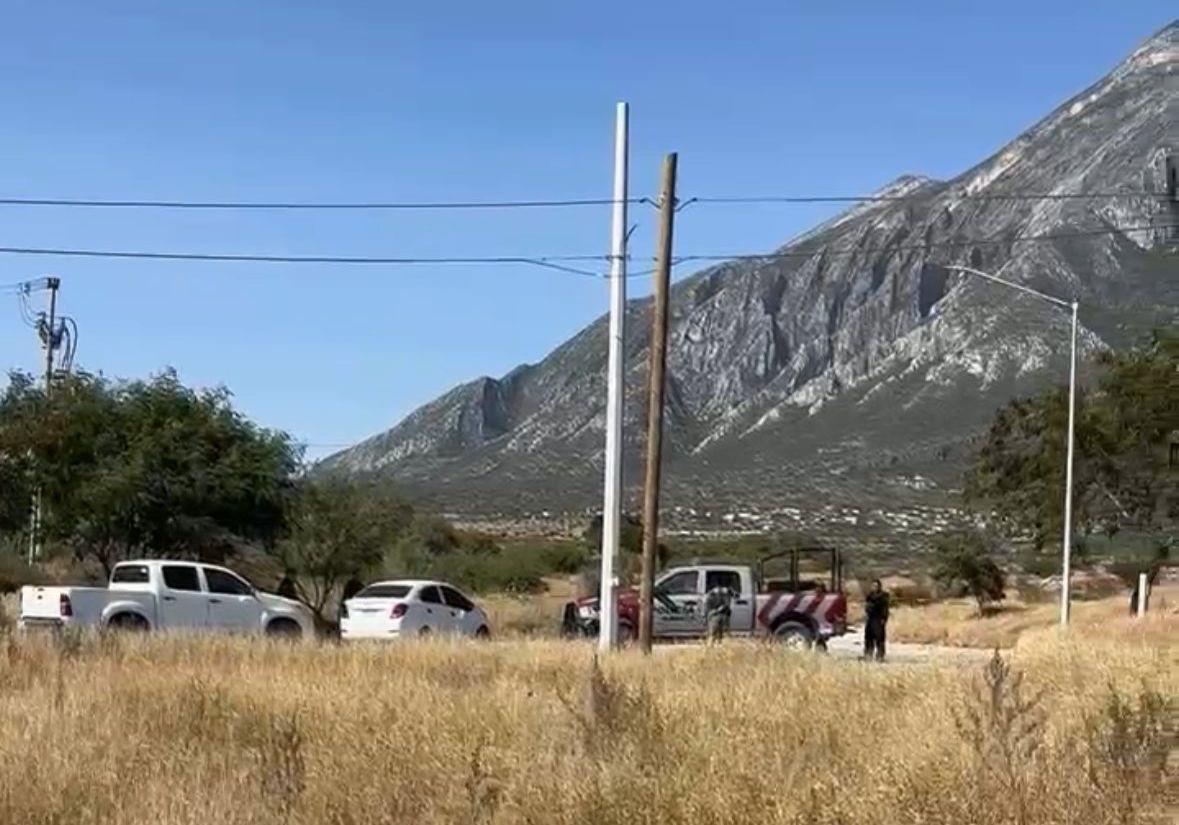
x: 15, y: 573
x: 516, y: 570
x: 563, y: 557
x: 964, y: 562
x: 1041, y: 565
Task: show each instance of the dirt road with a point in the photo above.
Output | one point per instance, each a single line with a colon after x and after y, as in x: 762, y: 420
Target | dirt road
x: 851, y: 646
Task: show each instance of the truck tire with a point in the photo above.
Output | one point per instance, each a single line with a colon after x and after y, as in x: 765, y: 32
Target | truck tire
x: 794, y: 635
x: 128, y: 623
x: 284, y: 629
x: 626, y: 633
x: 483, y: 633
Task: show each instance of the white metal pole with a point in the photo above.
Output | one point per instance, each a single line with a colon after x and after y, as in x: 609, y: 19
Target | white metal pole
x: 612, y: 496
x: 1066, y: 548
x: 1143, y: 589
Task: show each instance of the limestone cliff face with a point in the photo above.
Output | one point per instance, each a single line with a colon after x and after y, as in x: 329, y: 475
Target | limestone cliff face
x: 852, y: 360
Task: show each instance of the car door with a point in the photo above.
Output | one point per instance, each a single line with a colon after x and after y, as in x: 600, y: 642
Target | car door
x: 436, y: 614
x: 466, y: 618
x: 677, y: 604
x: 183, y: 603
x: 232, y: 603
x: 741, y: 619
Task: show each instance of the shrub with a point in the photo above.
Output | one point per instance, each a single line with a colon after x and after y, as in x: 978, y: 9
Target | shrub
x: 964, y: 562
x: 15, y: 573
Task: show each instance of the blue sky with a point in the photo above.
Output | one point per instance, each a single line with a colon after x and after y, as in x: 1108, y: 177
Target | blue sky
x: 466, y: 101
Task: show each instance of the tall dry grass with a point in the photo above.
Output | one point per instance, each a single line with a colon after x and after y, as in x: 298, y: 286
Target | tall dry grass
x: 217, y: 730
x: 958, y: 623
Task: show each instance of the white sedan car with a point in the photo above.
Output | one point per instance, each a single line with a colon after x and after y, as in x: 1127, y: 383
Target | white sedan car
x: 411, y: 607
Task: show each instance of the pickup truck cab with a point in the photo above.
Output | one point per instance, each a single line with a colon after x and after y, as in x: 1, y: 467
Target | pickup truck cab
x: 166, y: 595
x: 793, y: 608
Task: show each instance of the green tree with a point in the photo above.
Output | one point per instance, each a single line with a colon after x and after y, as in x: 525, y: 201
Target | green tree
x: 337, y: 529
x: 1122, y: 473
x: 426, y: 538
x: 630, y: 548
x: 965, y: 562
x: 142, y: 468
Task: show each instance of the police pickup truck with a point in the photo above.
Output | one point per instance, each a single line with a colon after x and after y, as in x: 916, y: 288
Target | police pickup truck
x: 798, y: 608
x: 166, y: 595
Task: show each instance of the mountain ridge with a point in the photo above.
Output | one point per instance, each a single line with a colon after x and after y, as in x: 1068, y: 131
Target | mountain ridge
x: 809, y: 350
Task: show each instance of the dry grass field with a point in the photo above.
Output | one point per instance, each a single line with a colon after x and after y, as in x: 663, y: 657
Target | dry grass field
x: 219, y: 730
x: 957, y: 623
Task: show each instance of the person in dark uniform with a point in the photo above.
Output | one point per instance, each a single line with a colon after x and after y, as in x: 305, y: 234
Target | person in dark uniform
x: 286, y: 587
x: 351, y: 587
x: 875, y: 622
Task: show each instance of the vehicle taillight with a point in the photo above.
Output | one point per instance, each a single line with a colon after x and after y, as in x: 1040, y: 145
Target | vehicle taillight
x: 65, y: 607
x: 343, y: 611
x: 398, y: 611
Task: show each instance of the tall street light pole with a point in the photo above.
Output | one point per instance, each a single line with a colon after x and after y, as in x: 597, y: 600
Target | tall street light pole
x: 1066, y: 543
x: 615, y: 386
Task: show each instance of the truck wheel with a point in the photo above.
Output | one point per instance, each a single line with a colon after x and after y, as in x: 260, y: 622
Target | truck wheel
x: 128, y: 623
x: 284, y: 629
x: 626, y: 634
x: 794, y: 635
x: 483, y: 633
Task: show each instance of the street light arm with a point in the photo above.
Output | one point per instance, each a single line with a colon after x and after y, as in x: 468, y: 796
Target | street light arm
x: 996, y: 279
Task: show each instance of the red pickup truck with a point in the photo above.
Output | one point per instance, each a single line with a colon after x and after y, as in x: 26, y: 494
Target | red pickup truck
x: 791, y: 609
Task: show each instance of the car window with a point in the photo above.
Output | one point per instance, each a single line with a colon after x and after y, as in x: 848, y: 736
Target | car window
x: 181, y: 577
x: 220, y: 581
x: 723, y: 578
x: 430, y: 595
x: 457, y: 599
x: 130, y: 574
x: 383, y: 591
x: 680, y: 583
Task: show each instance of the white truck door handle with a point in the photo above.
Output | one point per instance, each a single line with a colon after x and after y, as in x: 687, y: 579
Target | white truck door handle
x: 169, y: 598
x: 214, y: 601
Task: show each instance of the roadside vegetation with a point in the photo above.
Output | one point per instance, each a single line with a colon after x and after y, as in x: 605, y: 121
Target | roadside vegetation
x: 188, y: 730
x: 156, y: 469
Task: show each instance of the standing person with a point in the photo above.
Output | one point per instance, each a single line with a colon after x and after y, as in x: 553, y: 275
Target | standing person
x: 351, y: 587
x: 875, y: 622
x: 718, y: 608
x: 286, y: 587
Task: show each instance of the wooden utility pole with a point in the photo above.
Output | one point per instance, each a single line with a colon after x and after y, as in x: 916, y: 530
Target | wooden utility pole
x: 49, y: 337
x: 667, y: 204
x: 52, y: 284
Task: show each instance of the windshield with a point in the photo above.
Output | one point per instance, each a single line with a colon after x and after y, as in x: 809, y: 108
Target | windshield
x: 384, y: 591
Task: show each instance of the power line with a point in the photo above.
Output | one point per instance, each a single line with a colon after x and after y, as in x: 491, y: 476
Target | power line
x: 546, y: 261
x: 324, y: 205
x: 822, y: 250
x: 555, y: 262
x: 552, y: 203
x: 998, y: 196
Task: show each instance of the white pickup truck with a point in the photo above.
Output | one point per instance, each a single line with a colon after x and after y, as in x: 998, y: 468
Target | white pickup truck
x: 166, y: 595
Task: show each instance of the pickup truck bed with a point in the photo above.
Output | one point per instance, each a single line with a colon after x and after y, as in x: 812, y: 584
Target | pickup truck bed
x: 83, y: 606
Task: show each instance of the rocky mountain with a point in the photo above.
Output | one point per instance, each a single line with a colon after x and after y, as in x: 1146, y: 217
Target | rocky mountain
x: 839, y: 380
